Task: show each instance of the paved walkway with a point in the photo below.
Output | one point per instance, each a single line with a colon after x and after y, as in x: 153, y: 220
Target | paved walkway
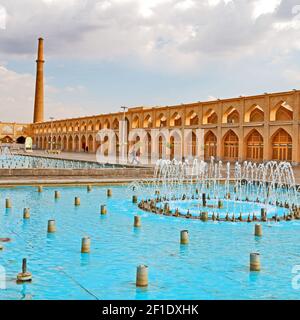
x: 67, y: 155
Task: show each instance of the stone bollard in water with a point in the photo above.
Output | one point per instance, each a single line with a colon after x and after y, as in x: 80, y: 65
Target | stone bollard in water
x: 142, y: 276
x: 86, y: 245
x: 137, y: 221
x: 220, y: 204
x: 103, y: 209
x: 204, y: 199
x: 26, y: 213
x: 204, y: 216
x: 184, y: 237
x: 24, y: 276
x: 7, y: 203
x: 56, y: 194
x: 51, y: 226
x: 258, y: 230
x: 254, y: 261
x: 77, y: 201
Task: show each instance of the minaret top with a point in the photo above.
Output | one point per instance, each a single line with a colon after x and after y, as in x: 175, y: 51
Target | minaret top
x: 38, y: 115
x: 40, y: 56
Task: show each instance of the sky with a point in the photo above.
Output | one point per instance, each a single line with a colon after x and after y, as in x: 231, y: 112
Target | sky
x: 103, y: 54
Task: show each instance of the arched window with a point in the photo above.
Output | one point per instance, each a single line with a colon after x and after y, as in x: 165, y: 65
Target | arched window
x: 7, y: 139
x: 284, y: 113
x: 282, y: 146
x: 257, y: 115
x: 90, y: 126
x: 161, y: 147
x: 90, y: 144
x: 98, y: 125
x: 281, y: 112
x: 65, y: 143
x: 192, y: 119
x: 21, y: 140
x: 231, y: 146
x: 175, y: 120
x: 194, y: 144
x: 135, y: 123
x: 231, y: 116
x: 83, y: 127
x: 115, y: 124
x: 255, y: 146
x: 83, y: 143
x: 70, y: 144
x: 210, y: 117
x: 106, y: 124
x: 147, y: 121
x: 175, y: 144
x: 76, y: 144
x: 210, y: 145
x: 161, y: 121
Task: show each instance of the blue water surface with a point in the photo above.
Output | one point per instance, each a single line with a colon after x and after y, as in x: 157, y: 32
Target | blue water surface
x: 214, y: 265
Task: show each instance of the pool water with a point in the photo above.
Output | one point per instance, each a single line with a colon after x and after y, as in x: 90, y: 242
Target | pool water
x: 214, y: 265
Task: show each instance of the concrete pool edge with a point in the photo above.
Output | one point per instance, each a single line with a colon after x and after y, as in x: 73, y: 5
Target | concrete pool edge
x: 65, y: 182
x: 103, y: 176
x: 99, y: 172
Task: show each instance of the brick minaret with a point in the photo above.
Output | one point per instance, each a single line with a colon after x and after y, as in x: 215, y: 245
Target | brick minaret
x: 39, y: 85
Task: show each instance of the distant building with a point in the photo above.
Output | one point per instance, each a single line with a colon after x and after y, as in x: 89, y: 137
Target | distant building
x: 14, y: 132
x: 257, y: 128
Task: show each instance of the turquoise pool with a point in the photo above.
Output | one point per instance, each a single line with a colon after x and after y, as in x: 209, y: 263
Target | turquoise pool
x: 215, y: 264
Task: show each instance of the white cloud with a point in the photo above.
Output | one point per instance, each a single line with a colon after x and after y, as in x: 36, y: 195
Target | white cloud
x: 183, y: 38
x: 152, y: 32
x: 292, y: 75
x: 63, y: 2
x: 265, y: 6
x: 293, y: 23
x: 216, y: 2
x: 17, y: 97
x: 16, y: 91
x: 185, y: 4
x: 103, y: 5
x: 3, y: 15
x: 211, y: 98
x: 146, y: 7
